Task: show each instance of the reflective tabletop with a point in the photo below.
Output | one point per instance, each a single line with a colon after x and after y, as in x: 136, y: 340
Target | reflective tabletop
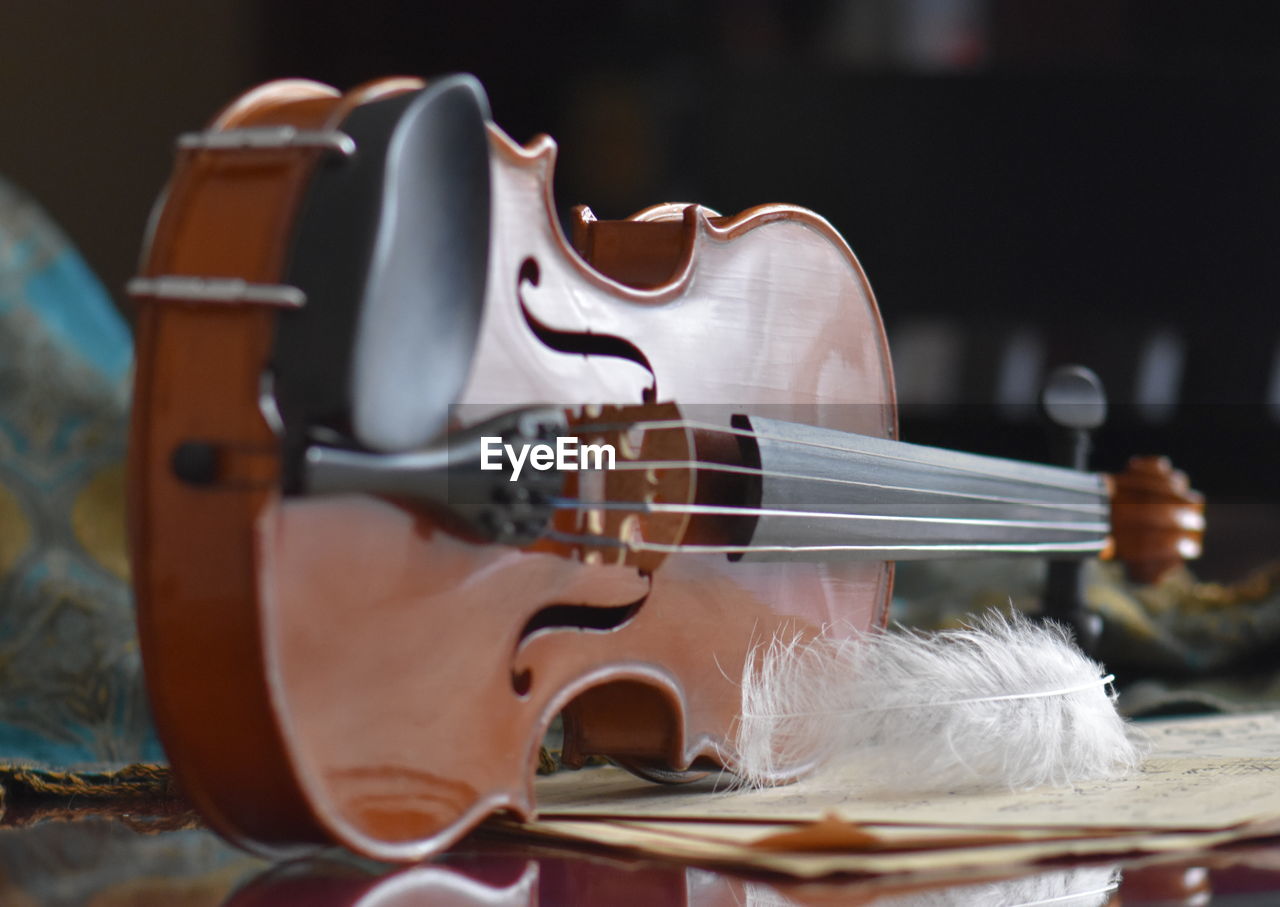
x: 104, y: 862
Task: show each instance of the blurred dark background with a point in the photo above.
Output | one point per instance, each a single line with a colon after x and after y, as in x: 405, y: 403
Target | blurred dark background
x: 1026, y: 183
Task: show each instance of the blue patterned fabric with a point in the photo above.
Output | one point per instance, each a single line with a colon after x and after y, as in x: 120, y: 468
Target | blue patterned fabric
x: 70, y: 673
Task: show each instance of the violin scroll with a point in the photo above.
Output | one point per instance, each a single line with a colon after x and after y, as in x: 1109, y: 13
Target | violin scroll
x: 1157, y: 519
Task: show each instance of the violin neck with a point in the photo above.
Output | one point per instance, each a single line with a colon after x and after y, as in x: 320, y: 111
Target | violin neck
x: 830, y: 494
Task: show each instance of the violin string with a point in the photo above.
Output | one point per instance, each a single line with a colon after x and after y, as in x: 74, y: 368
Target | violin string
x: 599, y: 541
x: 704, y: 465
x: 992, y: 547
x: 722, y: 510
x: 986, y: 547
x: 1081, y: 486
x: 580, y: 538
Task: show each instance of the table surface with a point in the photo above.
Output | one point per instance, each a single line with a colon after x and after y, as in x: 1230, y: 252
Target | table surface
x: 107, y: 862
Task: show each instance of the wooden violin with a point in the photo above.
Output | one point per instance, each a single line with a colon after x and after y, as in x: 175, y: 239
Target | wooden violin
x: 354, y: 632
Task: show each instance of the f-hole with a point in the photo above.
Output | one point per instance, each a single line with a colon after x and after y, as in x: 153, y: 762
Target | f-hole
x: 572, y: 617
x: 585, y: 344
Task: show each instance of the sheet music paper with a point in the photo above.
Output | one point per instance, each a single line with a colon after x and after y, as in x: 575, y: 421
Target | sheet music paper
x: 692, y: 842
x: 1202, y: 774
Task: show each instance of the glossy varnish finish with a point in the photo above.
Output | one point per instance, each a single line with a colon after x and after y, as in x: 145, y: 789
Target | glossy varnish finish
x: 340, y: 668
x: 195, y: 566
x: 414, y: 704
x: 199, y: 374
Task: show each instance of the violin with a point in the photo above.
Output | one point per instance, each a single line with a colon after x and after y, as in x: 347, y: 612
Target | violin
x: 358, y: 614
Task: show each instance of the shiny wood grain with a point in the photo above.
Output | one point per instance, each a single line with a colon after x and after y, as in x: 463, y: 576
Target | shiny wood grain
x: 342, y: 669
x: 397, y: 662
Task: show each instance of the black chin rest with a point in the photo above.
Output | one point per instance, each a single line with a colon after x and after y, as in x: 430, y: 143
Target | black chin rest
x: 391, y: 250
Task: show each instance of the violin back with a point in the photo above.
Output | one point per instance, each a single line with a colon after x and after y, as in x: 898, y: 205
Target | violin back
x: 344, y: 669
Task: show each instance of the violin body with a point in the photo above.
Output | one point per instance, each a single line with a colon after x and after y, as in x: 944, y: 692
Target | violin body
x: 351, y: 633
x: 346, y: 668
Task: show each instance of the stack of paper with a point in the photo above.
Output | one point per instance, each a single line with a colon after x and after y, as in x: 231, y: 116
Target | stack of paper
x: 1206, y: 782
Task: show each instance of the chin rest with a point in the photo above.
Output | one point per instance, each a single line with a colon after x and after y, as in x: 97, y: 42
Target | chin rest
x: 391, y: 249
